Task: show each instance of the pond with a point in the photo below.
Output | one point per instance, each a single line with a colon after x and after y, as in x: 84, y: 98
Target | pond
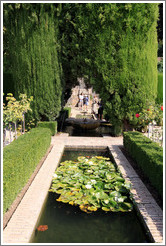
x: 68, y: 224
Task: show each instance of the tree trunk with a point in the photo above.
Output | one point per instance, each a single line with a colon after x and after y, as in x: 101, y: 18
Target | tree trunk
x: 126, y: 126
x: 23, y: 123
x: 21, y: 127
x: 10, y: 133
x: 15, y: 126
x: 4, y: 136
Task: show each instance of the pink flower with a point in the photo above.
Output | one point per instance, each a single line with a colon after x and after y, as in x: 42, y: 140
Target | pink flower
x: 137, y: 115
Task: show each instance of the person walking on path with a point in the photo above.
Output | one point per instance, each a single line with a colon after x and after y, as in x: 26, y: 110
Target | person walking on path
x: 94, y: 105
x: 80, y: 101
x: 86, y: 102
x: 100, y: 111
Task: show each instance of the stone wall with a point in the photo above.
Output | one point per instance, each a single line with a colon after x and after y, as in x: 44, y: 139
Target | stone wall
x: 77, y: 90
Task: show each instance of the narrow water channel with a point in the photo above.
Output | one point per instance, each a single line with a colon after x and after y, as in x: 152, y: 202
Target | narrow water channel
x: 68, y: 224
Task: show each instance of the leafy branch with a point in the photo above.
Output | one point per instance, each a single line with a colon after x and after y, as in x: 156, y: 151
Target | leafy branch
x: 14, y: 112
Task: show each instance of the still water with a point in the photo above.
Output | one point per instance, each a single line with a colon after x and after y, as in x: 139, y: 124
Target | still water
x: 68, y: 224
x: 87, y: 133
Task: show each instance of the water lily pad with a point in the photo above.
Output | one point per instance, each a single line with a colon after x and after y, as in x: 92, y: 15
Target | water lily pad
x: 92, y: 183
x: 106, y: 209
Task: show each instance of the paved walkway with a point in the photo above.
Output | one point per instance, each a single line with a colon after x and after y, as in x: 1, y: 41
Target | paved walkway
x: 22, y: 224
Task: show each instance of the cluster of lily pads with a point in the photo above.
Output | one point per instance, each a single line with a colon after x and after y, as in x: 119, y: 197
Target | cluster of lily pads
x: 92, y: 183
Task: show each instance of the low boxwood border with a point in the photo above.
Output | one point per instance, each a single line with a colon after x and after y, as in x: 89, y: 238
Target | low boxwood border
x: 20, y: 159
x: 148, y: 155
x: 52, y: 125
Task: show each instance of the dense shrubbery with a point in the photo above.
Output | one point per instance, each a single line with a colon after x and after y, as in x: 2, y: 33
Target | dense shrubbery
x: 67, y: 111
x: 32, y: 55
x: 148, y: 155
x: 52, y: 125
x: 113, y: 45
x: 150, y: 114
x: 14, y: 112
x: 20, y: 159
x: 160, y: 88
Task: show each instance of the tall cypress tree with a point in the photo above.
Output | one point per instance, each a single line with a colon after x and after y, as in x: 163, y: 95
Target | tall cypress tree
x: 127, y: 61
x: 34, y: 56
x: 119, y: 54
x: 114, y: 45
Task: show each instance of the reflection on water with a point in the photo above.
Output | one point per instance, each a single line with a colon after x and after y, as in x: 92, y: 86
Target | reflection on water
x: 87, y: 133
x: 68, y: 224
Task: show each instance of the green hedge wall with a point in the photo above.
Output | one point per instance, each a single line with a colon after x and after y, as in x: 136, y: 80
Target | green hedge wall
x: 148, y: 155
x: 8, y: 83
x: 34, y: 54
x: 160, y: 88
x: 20, y: 159
x: 52, y: 125
x: 68, y: 111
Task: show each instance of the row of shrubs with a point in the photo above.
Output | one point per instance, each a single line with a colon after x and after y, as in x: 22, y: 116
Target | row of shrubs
x: 148, y: 156
x: 67, y: 111
x: 52, y: 125
x: 21, y: 157
x: 160, y: 89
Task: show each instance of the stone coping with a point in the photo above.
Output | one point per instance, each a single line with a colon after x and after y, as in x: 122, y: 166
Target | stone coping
x: 149, y: 211
x: 22, y: 224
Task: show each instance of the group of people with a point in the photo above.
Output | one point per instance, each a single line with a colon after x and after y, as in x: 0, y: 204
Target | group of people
x: 97, y: 106
x: 83, y: 101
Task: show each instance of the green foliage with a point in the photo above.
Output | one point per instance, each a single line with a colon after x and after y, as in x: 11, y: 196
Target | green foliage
x: 68, y: 111
x: 148, y: 115
x: 160, y: 48
x: 160, y: 66
x: 114, y: 46
x: 148, y: 155
x: 92, y: 183
x: 116, y: 130
x: 127, y: 66
x: 20, y: 159
x: 14, y: 111
x: 52, y: 125
x: 32, y: 35
x: 160, y: 88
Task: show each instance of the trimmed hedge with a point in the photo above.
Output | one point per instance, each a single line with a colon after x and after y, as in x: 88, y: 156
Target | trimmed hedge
x: 148, y: 155
x: 52, y: 125
x: 20, y: 159
x: 160, y: 88
x: 68, y: 111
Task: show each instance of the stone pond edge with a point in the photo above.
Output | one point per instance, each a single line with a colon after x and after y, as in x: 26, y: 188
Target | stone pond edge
x: 22, y: 224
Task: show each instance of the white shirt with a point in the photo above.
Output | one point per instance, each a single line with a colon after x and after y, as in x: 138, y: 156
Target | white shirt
x: 81, y: 97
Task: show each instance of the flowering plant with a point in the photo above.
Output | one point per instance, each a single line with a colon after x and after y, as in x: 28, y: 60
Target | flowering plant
x: 150, y: 114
